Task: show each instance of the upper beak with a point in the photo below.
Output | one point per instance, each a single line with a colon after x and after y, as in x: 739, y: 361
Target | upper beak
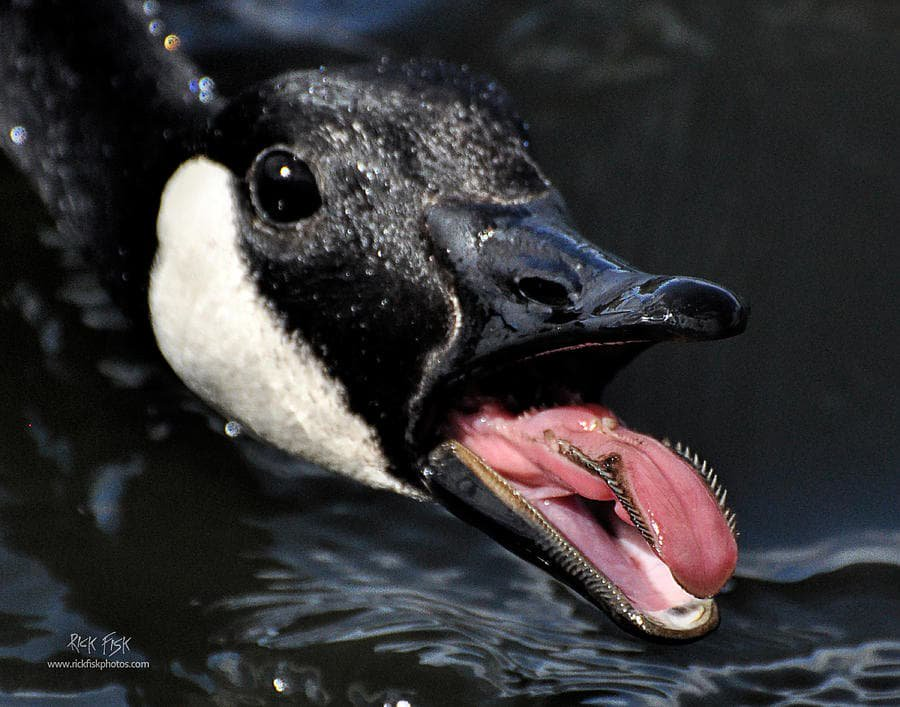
x: 528, y: 283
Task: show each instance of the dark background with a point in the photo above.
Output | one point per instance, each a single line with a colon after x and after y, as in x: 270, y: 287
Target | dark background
x: 751, y: 143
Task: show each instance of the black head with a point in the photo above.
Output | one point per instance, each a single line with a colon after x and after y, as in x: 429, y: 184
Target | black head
x: 339, y: 172
x: 393, y: 263
x: 391, y: 214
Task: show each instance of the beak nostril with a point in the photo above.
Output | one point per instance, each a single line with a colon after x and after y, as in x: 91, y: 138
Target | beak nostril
x: 543, y: 291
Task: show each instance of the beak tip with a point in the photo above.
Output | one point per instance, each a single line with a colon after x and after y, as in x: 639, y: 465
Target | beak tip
x: 700, y: 309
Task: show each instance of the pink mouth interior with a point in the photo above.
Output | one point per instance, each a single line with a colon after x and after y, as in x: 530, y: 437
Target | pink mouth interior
x: 694, y: 551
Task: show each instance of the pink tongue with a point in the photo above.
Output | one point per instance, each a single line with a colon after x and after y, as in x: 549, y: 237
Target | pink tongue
x: 689, y: 531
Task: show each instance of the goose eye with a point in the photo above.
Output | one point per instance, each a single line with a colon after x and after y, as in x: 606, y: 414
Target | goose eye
x: 283, y: 187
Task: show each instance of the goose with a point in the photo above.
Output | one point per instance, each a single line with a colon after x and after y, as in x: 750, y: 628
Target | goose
x: 364, y: 267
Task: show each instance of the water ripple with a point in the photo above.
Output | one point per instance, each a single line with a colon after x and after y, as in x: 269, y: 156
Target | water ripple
x: 524, y: 635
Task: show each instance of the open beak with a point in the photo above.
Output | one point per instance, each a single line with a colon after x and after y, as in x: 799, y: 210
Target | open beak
x: 635, y: 525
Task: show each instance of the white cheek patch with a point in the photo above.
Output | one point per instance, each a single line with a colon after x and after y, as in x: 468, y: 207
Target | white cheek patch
x: 218, y: 335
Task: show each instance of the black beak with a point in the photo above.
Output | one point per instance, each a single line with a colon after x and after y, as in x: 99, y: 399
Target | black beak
x: 528, y: 283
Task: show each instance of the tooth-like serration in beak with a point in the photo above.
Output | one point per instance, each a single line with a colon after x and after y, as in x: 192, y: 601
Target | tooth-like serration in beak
x: 621, y: 503
x: 605, y: 472
x: 660, y: 492
x: 476, y: 492
x: 708, y: 474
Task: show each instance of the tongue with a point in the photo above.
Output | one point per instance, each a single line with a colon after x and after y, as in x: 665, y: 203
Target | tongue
x: 688, y: 530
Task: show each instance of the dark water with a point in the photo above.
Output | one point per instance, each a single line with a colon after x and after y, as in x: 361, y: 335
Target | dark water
x: 751, y: 143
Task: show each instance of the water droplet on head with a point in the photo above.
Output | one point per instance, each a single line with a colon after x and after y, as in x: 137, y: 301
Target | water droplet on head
x: 18, y: 135
x: 484, y: 236
x: 205, y: 87
x: 233, y: 428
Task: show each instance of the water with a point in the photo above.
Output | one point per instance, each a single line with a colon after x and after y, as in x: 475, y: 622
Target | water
x: 753, y: 144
